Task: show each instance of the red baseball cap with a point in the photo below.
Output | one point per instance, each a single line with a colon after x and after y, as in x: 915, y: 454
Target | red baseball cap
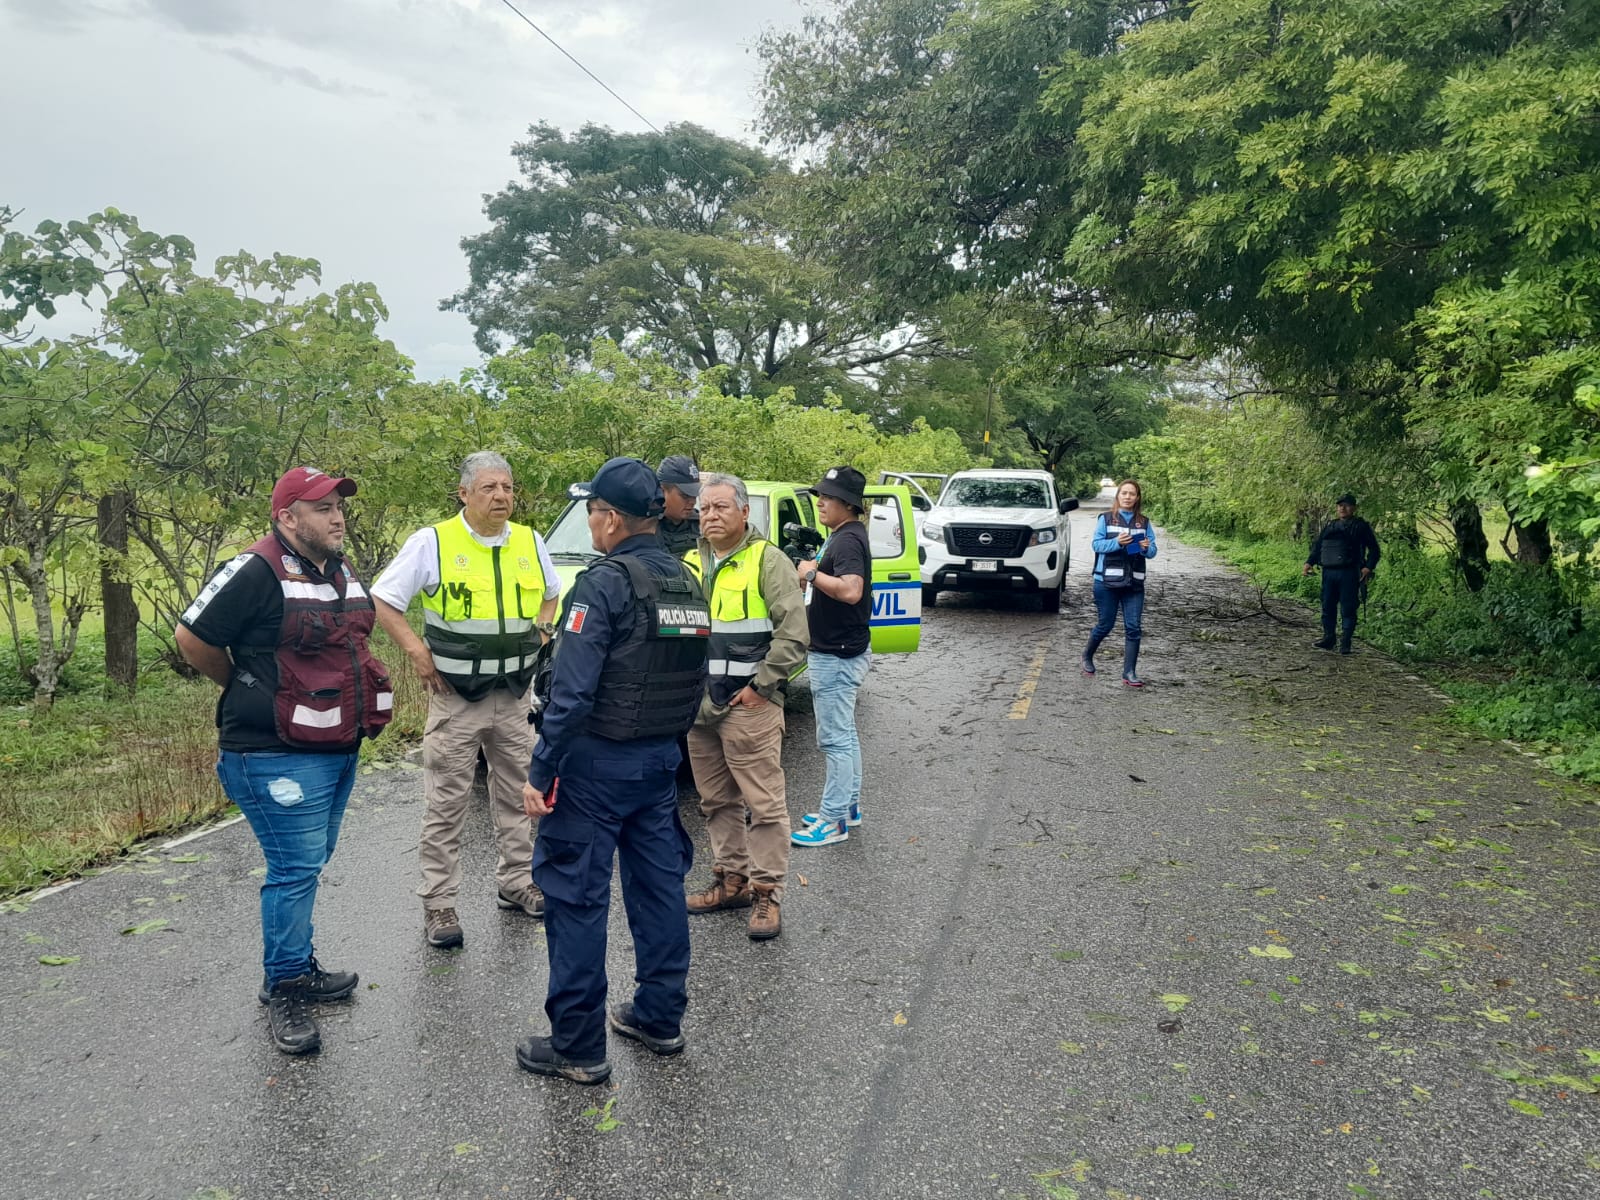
x: 307, y: 483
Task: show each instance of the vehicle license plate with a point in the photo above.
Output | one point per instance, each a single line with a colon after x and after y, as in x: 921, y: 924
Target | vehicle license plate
x: 985, y: 564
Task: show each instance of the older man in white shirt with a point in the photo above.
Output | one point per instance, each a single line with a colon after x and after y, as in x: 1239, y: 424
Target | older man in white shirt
x: 489, y: 592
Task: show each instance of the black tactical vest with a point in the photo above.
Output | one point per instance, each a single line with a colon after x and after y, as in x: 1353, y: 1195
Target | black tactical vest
x: 652, y: 683
x: 1341, y: 544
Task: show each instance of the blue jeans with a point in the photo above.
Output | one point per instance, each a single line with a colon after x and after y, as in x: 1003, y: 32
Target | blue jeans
x: 835, y: 682
x: 1107, y: 603
x: 294, y: 803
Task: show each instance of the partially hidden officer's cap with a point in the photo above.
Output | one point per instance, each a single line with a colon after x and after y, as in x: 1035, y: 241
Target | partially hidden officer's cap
x: 307, y: 483
x: 679, y: 470
x: 844, y: 483
x: 1347, y: 498
x: 626, y: 484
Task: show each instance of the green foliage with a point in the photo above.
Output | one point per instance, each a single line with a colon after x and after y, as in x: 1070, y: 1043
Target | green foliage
x: 90, y: 777
x: 1389, y: 211
x: 564, y: 418
x: 1261, y: 467
x: 670, y: 243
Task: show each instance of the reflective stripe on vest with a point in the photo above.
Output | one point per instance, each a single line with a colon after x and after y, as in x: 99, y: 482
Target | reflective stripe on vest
x: 479, y: 622
x: 741, y: 624
x: 331, y: 691
x: 1117, y: 568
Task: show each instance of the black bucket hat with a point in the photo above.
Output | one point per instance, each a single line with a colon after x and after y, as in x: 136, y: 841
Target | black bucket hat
x: 844, y: 483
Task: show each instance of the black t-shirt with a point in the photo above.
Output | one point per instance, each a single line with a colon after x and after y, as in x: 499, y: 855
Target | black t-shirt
x: 837, y: 628
x: 242, y: 609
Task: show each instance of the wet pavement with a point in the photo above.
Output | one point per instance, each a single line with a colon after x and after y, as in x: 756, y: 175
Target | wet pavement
x: 1268, y: 928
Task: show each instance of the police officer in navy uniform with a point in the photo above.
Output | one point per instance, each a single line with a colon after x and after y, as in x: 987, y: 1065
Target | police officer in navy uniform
x: 1347, y: 551
x: 679, y: 529
x: 625, y: 683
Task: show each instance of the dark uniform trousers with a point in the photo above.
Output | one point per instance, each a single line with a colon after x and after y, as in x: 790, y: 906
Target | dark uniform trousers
x: 1341, y: 593
x: 622, y: 798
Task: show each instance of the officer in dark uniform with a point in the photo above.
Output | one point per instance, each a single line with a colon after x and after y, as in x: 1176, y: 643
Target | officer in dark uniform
x: 679, y: 529
x: 625, y: 683
x: 1347, y: 552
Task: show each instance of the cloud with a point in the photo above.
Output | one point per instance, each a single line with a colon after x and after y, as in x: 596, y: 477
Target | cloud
x: 209, y: 16
x: 57, y: 15
x: 298, y: 74
x: 397, y: 183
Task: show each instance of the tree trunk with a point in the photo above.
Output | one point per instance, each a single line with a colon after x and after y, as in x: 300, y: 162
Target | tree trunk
x: 116, y: 595
x: 1533, y: 542
x: 46, y: 670
x: 1472, y: 545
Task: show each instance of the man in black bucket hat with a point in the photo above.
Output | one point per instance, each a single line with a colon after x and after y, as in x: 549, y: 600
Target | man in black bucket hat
x: 839, y: 604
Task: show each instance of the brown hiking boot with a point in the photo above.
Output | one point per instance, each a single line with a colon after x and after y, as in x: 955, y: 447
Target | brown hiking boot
x: 528, y: 899
x: 442, y: 927
x: 727, y: 890
x: 765, y: 921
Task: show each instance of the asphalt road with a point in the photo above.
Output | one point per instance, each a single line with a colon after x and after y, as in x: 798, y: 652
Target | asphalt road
x: 1269, y: 928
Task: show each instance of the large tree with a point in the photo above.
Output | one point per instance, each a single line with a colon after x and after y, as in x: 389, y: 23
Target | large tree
x: 668, y: 240
x: 1388, y: 209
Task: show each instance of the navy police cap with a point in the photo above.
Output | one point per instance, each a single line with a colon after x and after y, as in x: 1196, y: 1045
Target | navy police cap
x: 679, y: 470
x: 626, y: 484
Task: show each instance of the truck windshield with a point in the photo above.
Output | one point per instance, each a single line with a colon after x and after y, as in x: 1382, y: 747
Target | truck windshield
x: 996, y: 493
x: 570, y: 534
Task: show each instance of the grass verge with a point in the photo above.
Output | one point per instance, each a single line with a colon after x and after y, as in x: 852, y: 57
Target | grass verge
x: 88, y: 779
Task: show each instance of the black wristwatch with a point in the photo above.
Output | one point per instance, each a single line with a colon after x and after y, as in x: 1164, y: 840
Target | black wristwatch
x: 547, y: 628
x: 812, y: 578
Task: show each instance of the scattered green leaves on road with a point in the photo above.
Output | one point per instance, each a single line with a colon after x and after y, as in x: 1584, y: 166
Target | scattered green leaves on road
x: 605, y: 1115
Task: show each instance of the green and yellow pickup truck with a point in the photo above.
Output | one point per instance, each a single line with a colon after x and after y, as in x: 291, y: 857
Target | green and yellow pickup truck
x: 891, y: 532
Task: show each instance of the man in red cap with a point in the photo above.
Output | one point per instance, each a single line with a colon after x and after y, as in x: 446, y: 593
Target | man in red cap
x: 283, y: 628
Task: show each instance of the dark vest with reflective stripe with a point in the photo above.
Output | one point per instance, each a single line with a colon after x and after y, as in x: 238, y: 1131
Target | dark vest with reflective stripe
x: 1119, y: 569
x: 331, y: 691
x: 652, y: 682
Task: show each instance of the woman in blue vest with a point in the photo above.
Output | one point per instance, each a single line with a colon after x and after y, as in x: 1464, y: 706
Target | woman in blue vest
x: 1123, y: 542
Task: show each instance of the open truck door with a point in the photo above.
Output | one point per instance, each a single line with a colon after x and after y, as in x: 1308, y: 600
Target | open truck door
x: 896, y: 579
x: 924, y: 486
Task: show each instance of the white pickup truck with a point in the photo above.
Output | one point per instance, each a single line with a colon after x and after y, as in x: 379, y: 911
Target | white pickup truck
x: 995, y: 530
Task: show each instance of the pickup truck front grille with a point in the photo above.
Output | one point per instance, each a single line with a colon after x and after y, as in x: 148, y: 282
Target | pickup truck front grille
x: 987, y: 541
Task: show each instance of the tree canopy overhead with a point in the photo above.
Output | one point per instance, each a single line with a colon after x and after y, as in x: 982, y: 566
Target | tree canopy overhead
x: 671, y: 239
x: 1389, y: 210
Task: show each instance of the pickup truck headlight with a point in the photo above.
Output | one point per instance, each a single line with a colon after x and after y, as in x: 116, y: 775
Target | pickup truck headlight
x: 933, y: 531
x: 1042, y: 537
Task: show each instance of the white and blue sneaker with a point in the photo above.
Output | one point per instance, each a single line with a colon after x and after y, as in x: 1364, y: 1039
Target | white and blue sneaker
x: 820, y: 833
x: 852, y: 820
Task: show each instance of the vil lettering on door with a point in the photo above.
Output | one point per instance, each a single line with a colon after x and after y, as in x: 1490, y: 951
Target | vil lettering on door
x: 896, y: 604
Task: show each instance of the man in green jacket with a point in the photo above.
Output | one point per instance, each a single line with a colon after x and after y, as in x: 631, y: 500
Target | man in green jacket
x: 759, y: 636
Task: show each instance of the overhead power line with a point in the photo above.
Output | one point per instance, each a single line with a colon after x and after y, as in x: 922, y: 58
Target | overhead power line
x: 612, y: 91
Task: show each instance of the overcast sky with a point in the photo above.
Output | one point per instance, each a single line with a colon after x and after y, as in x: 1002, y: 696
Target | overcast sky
x: 362, y: 133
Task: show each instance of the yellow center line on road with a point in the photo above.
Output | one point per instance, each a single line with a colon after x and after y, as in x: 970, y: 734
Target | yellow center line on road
x: 1024, y: 700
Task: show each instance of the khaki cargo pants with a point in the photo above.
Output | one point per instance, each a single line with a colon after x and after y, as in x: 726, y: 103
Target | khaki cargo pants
x: 738, y: 762
x: 456, y: 730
